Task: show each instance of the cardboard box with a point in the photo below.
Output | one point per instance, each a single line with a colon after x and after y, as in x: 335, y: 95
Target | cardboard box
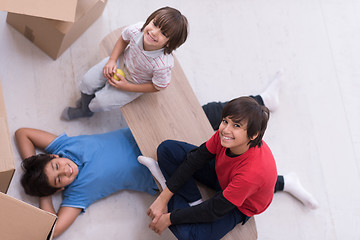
x: 54, y: 36
x: 7, y: 167
x: 19, y: 220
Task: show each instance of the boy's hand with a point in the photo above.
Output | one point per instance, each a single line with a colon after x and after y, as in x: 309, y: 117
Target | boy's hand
x: 121, y: 84
x: 159, y: 206
x: 109, y: 69
x: 156, y: 210
x: 162, y: 223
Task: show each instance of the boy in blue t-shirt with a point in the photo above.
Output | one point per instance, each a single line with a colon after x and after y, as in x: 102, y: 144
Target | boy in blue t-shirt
x: 87, y: 168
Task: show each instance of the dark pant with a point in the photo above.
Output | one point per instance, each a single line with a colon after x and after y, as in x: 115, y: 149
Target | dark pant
x: 170, y: 155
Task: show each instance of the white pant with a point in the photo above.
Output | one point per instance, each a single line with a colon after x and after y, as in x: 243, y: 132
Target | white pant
x: 106, y: 96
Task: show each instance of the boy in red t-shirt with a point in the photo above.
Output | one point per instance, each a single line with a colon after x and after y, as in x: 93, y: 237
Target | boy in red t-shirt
x: 235, y: 162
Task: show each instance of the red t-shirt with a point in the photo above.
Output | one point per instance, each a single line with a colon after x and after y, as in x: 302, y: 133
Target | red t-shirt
x: 247, y: 180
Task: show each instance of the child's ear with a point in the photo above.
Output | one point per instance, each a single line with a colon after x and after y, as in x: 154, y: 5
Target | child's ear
x: 255, y: 136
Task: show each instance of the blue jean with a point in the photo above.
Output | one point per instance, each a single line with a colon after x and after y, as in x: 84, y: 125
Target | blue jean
x: 170, y: 155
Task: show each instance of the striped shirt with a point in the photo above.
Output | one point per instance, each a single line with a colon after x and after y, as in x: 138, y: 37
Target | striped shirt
x: 146, y: 66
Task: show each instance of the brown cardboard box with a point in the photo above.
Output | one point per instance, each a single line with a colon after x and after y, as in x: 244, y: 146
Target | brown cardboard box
x: 19, y: 220
x: 54, y: 9
x: 54, y: 36
x: 7, y: 167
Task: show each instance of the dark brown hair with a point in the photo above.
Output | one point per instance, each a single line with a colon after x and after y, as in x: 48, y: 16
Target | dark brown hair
x: 173, y: 24
x: 34, y: 180
x: 248, y: 110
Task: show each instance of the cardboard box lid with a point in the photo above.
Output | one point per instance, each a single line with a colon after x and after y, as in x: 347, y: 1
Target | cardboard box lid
x: 63, y: 10
x: 19, y: 220
x: 83, y: 8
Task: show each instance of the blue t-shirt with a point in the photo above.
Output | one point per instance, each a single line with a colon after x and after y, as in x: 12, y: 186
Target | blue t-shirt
x: 107, y: 163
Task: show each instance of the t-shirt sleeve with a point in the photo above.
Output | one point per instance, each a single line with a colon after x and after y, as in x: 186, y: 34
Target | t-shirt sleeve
x: 56, y: 145
x: 75, y: 198
x: 162, y: 77
x: 238, y: 190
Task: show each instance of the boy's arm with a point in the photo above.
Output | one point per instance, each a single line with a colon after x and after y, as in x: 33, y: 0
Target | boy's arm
x: 124, y: 85
x: 208, y: 211
x: 159, y: 206
x: 119, y: 47
x: 28, y: 139
x: 110, y: 66
x: 66, y: 215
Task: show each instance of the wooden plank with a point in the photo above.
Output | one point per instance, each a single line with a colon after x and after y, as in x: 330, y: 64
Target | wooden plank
x: 173, y: 113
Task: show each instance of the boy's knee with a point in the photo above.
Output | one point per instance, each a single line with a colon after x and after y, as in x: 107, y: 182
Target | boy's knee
x: 165, y: 145
x: 93, y: 105
x: 97, y: 105
x: 85, y: 87
x: 164, y: 149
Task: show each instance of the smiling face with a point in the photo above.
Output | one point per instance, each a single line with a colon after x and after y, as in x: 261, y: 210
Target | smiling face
x: 233, y: 135
x: 61, y: 172
x: 154, y: 38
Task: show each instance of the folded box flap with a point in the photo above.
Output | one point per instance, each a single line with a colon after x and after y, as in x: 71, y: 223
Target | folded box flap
x: 63, y: 10
x: 19, y: 220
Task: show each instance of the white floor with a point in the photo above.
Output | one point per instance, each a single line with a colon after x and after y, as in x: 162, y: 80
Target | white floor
x: 234, y: 49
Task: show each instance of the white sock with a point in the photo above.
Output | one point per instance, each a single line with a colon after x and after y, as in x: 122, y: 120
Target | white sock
x: 293, y: 186
x: 271, y: 94
x: 154, y: 168
x: 197, y: 202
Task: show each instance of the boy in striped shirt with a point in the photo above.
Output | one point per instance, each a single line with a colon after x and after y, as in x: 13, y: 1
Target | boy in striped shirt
x: 143, y: 52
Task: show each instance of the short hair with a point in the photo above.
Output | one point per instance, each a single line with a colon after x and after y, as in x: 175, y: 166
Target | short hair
x: 34, y: 180
x: 173, y: 24
x: 256, y: 116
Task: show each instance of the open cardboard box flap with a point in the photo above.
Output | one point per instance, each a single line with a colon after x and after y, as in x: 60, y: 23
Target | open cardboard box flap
x: 19, y: 220
x: 53, y: 9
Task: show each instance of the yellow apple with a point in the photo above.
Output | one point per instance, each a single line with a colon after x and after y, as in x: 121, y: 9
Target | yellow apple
x: 119, y: 71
